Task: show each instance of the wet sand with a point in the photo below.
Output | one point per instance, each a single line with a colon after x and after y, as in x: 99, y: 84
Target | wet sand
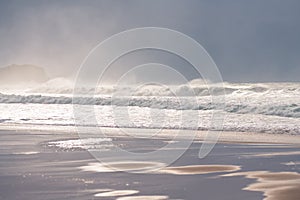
x: 30, y: 168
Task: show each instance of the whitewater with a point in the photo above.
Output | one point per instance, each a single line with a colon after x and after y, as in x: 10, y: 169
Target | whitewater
x: 256, y: 107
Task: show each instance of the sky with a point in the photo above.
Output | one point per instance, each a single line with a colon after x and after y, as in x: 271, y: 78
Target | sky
x: 250, y: 41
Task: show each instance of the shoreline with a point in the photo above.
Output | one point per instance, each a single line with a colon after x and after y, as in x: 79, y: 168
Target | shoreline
x: 200, y: 135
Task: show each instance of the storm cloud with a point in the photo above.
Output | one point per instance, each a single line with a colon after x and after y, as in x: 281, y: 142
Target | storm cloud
x: 250, y: 41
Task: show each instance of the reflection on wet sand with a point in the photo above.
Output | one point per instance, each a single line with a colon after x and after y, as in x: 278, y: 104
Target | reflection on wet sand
x: 133, y: 166
x: 274, y: 185
x: 144, y: 198
x: 26, y: 153
x: 158, y: 168
x: 272, y: 154
x: 130, y: 166
x: 127, y: 195
x: 292, y: 163
x: 116, y: 193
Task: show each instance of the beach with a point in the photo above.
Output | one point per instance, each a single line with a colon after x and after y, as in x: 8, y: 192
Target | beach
x: 149, y: 100
x: 54, y: 145
x: 35, y: 165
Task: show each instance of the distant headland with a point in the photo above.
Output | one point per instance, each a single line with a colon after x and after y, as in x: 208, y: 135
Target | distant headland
x: 16, y: 74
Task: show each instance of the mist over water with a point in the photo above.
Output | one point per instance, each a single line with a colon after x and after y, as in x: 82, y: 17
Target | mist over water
x: 265, y: 48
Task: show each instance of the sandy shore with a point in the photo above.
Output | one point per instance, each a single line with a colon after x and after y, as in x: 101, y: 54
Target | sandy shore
x: 245, y: 167
x: 222, y: 136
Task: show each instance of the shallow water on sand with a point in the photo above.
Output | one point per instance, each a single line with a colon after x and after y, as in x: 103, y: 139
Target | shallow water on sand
x: 30, y: 168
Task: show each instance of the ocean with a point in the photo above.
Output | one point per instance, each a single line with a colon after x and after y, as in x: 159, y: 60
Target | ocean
x: 248, y: 107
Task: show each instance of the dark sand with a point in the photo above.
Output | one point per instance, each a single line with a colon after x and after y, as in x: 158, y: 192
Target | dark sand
x: 31, y: 169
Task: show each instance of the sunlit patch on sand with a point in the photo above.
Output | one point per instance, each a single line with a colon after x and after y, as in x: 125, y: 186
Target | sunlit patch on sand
x: 116, y: 193
x: 122, y: 166
x: 272, y: 154
x: 144, y: 198
x: 199, y: 169
x: 86, y: 144
x: 274, y: 185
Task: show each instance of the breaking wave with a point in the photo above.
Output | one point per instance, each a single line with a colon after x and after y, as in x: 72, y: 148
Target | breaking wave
x: 268, y: 99
x: 254, y: 107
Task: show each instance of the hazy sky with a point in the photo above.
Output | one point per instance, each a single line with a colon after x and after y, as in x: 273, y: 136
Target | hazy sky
x: 257, y: 40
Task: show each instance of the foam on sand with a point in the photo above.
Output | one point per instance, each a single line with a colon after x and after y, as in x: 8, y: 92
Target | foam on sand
x: 274, y: 185
x: 85, y: 143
